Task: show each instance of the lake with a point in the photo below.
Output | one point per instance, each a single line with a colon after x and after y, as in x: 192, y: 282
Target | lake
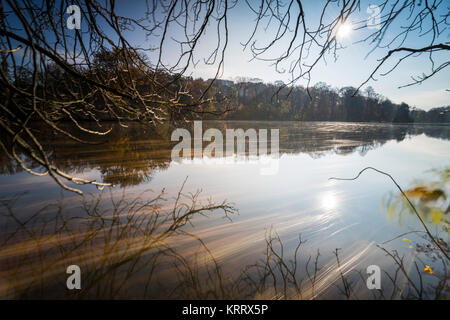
x: 232, y: 232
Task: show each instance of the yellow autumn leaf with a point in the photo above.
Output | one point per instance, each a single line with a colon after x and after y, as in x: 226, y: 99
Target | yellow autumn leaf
x: 436, y: 215
x: 428, y: 269
x: 425, y: 194
x: 404, y: 239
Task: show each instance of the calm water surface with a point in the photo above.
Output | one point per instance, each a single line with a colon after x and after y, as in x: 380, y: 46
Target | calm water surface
x: 299, y: 200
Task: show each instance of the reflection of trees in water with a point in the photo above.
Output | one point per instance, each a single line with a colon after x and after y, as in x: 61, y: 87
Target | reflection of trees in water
x: 140, y: 247
x: 129, y: 156
x: 115, y: 240
x: 320, y: 139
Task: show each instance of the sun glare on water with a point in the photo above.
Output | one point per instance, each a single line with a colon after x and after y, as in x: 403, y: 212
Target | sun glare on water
x: 329, y: 200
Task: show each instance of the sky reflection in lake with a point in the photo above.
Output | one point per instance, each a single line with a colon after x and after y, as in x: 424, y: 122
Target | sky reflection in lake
x: 298, y: 199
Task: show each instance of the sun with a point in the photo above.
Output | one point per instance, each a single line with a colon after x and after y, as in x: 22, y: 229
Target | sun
x: 344, y: 30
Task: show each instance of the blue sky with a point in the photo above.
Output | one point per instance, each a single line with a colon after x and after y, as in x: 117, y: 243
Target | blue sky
x: 351, y: 68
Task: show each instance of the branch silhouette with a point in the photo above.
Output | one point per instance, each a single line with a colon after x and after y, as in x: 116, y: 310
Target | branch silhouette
x: 407, y: 199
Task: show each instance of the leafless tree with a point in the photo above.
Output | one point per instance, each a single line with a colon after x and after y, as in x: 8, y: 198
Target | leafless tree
x: 305, y: 40
x: 53, y: 74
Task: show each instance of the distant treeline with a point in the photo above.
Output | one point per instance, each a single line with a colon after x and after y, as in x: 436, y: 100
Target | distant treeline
x: 260, y: 101
x: 178, y: 98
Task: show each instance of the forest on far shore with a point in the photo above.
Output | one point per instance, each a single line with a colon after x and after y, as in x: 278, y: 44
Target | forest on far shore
x: 254, y: 100
x: 176, y: 97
